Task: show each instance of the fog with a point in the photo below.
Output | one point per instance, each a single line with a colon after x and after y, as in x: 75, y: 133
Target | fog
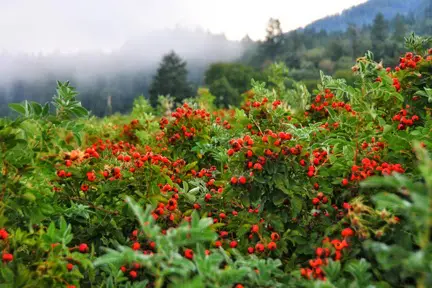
x: 123, y: 73
x: 197, y: 47
x: 107, y: 46
x: 101, y: 36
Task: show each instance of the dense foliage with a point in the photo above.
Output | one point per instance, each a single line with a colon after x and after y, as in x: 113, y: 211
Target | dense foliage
x: 332, y: 189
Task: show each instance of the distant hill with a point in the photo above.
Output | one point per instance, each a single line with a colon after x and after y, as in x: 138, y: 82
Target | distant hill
x: 364, y: 14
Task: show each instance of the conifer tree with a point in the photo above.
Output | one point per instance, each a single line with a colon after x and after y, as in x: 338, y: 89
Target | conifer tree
x: 379, y: 34
x: 171, y: 79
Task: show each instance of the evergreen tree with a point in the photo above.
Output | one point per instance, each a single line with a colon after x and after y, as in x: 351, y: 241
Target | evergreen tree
x: 296, y: 40
x: 171, y: 79
x: 379, y: 34
x: 353, y: 36
x: 426, y: 23
x: 274, y: 39
x: 335, y: 49
x: 379, y: 30
x: 400, y: 29
x: 427, y: 9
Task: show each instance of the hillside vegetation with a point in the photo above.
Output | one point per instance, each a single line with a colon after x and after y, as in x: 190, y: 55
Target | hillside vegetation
x: 363, y: 14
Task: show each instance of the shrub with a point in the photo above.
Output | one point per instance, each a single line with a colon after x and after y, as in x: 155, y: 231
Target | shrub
x: 331, y: 189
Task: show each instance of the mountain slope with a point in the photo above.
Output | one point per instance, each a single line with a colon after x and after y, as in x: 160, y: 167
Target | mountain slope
x: 364, y: 14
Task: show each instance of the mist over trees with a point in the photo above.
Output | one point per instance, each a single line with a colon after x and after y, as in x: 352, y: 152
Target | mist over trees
x: 171, y: 79
x: 120, y: 75
x: 109, y: 82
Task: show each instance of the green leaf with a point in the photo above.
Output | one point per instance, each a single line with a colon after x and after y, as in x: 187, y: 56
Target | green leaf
x: 144, y: 217
x: 29, y: 196
x: 51, y: 232
x: 359, y: 269
x: 390, y: 201
x: 17, y: 108
x: 398, y: 96
x: 37, y: 108
x: 348, y: 152
x: 45, y: 110
x: 7, y: 274
x: 190, y: 197
x: 79, y: 111
x: 195, y: 219
x: 190, y: 166
x: 332, y: 270
x: 278, y: 199
x: 196, y: 282
x: 296, y: 206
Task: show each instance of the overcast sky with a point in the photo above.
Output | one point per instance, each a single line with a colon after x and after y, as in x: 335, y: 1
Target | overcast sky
x: 71, y: 25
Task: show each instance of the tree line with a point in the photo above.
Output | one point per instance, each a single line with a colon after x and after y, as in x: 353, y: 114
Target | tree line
x: 306, y: 52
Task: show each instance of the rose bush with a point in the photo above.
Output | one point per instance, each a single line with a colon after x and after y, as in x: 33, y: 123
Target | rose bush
x: 332, y: 189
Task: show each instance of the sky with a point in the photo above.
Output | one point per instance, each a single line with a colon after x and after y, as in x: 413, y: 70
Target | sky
x: 33, y: 26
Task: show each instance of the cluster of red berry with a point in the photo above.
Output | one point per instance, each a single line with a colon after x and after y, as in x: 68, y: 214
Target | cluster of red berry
x: 373, y: 148
x: 370, y: 167
x: 321, y: 104
x: 409, y: 61
x: 169, y: 207
x: 133, y: 273
x: 268, y: 138
x: 6, y: 257
x: 405, y: 118
x: 129, y: 130
x: 264, y: 101
x: 128, y: 159
x: 319, y: 199
x: 327, y: 126
x: 185, y: 124
x: 225, y: 123
x: 331, y: 249
x: 260, y: 247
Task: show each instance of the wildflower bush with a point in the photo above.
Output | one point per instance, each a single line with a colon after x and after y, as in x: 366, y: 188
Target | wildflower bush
x: 329, y: 189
